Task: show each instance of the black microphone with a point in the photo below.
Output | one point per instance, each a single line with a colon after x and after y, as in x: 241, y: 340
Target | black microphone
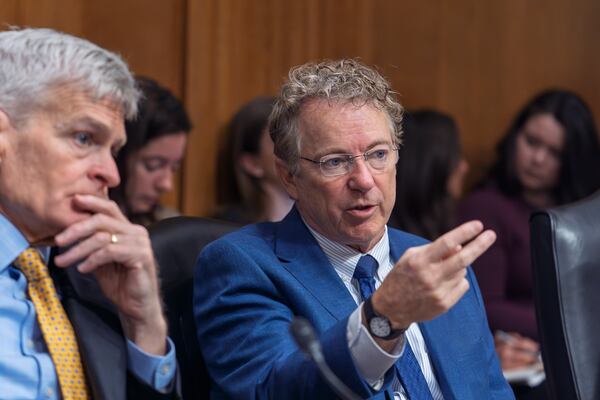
x: 306, y: 338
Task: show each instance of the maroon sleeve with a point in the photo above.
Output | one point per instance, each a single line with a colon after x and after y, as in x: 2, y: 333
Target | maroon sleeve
x: 503, y: 272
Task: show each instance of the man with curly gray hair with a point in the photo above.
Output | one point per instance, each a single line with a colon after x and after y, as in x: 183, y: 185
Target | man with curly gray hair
x: 95, y: 330
x: 397, y: 317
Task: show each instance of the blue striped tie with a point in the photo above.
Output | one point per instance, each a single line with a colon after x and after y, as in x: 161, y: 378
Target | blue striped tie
x: 408, y: 370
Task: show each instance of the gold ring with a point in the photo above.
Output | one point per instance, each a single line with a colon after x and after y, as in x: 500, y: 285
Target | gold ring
x: 114, y: 239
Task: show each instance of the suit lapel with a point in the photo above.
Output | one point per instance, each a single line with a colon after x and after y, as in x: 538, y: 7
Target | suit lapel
x: 102, y: 350
x: 302, y: 257
x: 435, y: 332
x: 447, y: 371
x: 101, y: 344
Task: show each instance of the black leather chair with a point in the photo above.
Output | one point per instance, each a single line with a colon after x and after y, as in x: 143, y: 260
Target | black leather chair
x: 176, y: 243
x: 565, y: 245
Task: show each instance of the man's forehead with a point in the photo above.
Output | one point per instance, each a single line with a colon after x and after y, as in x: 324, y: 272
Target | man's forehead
x: 333, y: 126
x: 72, y: 107
x: 323, y: 113
x: 69, y: 97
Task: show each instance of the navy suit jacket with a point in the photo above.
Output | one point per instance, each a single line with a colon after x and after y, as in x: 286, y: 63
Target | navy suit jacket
x: 250, y: 284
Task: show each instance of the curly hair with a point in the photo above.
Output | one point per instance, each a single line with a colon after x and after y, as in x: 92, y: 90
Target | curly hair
x: 345, y: 81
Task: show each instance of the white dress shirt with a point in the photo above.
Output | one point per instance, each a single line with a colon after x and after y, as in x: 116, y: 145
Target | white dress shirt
x: 370, y: 359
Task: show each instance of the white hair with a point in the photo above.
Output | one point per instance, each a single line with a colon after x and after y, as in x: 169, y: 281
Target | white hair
x: 34, y: 61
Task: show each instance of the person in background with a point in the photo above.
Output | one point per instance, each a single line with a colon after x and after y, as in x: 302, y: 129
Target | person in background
x: 94, y: 330
x: 248, y: 188
x: 156, y: 142
x: 549, y: 156
x: 429, y: 175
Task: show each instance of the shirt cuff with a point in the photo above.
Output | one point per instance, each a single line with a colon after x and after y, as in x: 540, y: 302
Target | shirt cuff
x: 155, y: 371
x: 370, y: 359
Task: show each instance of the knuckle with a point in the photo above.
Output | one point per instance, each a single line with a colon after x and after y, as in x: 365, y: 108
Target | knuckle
x: 429, y: 286
x: 140, y: 231
x: 467, y: 285
x: 446, y: 242
x: 100, y: 257
x: 410, y: 253
x: 462, y: 259
x: 113, y: 206
x: 437, y: 298
x: 102, y: 219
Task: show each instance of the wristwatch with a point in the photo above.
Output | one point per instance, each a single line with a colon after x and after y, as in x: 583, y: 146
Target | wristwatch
x: 378, y: 325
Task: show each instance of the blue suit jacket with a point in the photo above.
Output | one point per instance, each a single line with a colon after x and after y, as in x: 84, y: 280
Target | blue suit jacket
x: 250, y: 284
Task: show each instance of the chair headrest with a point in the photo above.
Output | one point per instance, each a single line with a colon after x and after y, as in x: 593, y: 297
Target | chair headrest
x: 177, y: 242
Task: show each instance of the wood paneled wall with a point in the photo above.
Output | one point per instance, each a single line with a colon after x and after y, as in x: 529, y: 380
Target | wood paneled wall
x: 478, y: 60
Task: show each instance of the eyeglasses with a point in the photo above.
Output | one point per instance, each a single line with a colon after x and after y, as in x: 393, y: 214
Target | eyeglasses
x: 378, y: 158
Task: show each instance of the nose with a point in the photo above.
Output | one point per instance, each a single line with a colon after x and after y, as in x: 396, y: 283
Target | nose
x: 540, y: 154
x: 106, y: 172
x: 360, y: 177
x: 164, y: 183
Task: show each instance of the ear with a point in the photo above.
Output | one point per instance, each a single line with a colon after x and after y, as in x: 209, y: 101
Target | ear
x: 287, y: 179
x: 250, y: 165
x: 5, y: 124
x: 5, y: 127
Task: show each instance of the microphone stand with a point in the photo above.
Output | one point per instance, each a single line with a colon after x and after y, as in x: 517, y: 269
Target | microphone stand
x: 307, y: 340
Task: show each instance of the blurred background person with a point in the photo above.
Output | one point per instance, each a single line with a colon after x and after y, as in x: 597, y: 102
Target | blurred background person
x: 549, y: 156
x: 156, y: 142
x: 248, y: 189
x: 430, y: 174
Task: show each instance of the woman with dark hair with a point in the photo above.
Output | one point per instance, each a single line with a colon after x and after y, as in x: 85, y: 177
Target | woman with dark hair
x: 550, y: 156
x: 155, y: 147
x: 430, y: 174
x: 248, y: 187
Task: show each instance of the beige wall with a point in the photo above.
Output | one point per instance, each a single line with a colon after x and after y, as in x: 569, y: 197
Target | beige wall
x: 478, y: 60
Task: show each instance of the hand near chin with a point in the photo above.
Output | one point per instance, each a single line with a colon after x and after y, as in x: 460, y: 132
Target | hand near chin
x: 428, y: 280
x: 125, y: 269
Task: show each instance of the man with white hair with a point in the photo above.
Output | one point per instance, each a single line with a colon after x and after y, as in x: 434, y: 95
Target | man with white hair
x: 96, y: 330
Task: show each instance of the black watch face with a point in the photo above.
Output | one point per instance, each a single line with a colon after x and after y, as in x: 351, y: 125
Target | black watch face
x: 380, y: 327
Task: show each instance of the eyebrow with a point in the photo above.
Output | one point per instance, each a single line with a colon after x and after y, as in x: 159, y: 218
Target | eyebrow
x: 532, y: 135
x: 91, y: 124
x: 338, y: 150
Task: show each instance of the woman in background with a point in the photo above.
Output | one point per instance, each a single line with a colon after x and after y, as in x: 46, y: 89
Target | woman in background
x: 549, y: 156
x: 248, y: 187
x: 430, y: 174
x: 155, y: 147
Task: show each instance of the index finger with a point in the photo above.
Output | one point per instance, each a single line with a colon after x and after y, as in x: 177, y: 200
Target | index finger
x: 448, y: 243
x: 99, y: 205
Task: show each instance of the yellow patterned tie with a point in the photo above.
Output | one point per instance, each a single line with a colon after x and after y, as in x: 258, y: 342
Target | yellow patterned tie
x: 55, y: 325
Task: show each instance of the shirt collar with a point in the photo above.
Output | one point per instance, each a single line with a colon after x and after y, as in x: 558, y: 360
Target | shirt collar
x: 13, y: 243
x: 344, y: 258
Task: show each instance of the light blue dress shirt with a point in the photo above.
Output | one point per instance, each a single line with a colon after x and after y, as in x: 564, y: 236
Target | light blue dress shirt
x: 26, y: 369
